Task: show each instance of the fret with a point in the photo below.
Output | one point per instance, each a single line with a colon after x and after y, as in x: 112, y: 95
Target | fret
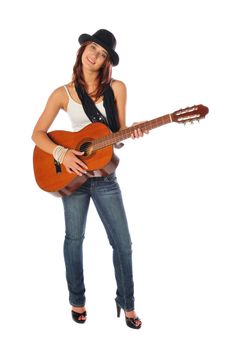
x: 126, y: 133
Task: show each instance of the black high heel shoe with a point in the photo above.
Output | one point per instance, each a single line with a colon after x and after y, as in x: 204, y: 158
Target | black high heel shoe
x: 130, y: 321
x: 76, y: 316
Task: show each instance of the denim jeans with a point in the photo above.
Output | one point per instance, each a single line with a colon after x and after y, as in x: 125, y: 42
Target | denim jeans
x: 106, y: 195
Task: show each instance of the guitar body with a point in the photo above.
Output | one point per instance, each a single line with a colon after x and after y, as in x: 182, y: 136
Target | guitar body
x: 54, y: 178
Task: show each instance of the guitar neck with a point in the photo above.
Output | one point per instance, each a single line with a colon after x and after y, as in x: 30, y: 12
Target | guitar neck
x: 126, y: 133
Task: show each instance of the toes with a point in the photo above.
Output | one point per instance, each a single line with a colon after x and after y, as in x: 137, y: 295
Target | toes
x: 82, y: 318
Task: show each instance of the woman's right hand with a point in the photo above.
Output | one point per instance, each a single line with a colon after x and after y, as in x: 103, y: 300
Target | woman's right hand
x: 73, y: 164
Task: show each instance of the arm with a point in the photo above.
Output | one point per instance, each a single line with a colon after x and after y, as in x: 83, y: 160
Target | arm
x: 39, y: 135
x: 120, y: 94
x: 56, y: 101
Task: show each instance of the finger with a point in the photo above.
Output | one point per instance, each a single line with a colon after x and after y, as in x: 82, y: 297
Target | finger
x: 136, y: 133
x: 76, y: 165
x: 69, y: 170
x: 78, y: 153
x: 76, y: 171
x: 81, y: 164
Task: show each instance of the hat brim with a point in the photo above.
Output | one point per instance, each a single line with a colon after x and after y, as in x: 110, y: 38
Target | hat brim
x: 113, y: 55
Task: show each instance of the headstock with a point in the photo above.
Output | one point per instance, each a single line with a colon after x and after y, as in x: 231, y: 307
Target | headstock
x: 190, y: 114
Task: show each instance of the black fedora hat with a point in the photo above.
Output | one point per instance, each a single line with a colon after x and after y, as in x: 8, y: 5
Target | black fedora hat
x: 105, y: 39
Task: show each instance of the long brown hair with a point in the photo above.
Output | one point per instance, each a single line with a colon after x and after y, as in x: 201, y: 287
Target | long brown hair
x: 104, y: 74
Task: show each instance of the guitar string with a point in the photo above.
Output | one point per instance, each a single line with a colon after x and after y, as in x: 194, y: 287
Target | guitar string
x: 126, y: 133
x: 112, y: 139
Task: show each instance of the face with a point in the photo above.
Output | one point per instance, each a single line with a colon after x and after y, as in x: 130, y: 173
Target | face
x: 94, y: 56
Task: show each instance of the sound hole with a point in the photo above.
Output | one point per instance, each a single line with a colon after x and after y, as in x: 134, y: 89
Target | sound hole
x: 86, y: 148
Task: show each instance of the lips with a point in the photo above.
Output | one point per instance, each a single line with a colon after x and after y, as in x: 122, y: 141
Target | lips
x: 90, y: 60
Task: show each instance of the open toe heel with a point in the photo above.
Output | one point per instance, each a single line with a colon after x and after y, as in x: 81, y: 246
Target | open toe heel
x: 130, y: 321
x: 76, y: 316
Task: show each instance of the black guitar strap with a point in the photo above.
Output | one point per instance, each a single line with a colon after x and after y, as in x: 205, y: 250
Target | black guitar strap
x: 93, y: 112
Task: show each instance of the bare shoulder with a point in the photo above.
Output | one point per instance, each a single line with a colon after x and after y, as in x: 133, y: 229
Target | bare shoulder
x: 119, y: 87
x: 58, y: 94
x: 59, y: 97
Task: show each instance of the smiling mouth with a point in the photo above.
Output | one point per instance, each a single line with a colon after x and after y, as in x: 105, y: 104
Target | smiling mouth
x: 91, y: 61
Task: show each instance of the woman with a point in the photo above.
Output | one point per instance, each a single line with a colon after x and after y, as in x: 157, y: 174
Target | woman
x: 92, y: 87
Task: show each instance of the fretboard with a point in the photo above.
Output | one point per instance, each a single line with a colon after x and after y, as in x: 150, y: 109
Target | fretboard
x: 126, y: 133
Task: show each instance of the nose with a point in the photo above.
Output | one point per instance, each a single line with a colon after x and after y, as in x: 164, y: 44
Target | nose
x: 96, y: 54
x: 93, y: 56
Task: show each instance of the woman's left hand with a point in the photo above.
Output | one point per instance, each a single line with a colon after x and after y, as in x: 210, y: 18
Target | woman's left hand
x: 138, y: 132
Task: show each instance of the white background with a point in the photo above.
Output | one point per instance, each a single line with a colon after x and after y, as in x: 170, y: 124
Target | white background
x: 176, y: 182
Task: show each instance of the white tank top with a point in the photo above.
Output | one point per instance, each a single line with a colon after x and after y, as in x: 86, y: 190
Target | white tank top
x: 77, y: 114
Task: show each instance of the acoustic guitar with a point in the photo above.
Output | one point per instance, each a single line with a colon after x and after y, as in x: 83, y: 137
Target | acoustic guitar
x: 96, y: 141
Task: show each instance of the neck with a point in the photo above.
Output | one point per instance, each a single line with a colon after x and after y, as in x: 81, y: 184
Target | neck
x: 91, y: 78
x: 123, y: 134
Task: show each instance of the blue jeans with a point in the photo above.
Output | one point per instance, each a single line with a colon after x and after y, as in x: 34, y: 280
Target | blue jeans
x: 106, y: 195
